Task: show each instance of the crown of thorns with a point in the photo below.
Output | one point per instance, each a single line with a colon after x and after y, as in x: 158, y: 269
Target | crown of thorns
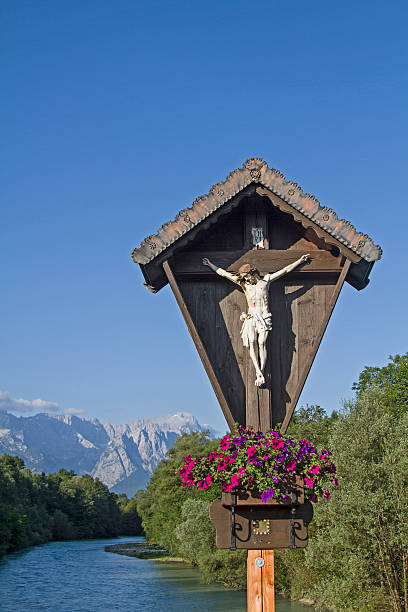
x: 246, y: 269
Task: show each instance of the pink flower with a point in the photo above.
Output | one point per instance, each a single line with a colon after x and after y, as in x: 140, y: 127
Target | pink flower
x: 335, y: 482
x: 234, y: 480
x: 309, y: 482
x: 241, y: 471
x: 326, y: 494
x: 291, y: 466
x: 251, y: 451
x: 266, y: 457
x: 276, y: 444
x: 221, y: 466
x: 314, y: 469
x: 202, y: 484
x: 224, y: 444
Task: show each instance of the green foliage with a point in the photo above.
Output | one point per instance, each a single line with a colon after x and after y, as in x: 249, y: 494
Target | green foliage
x: 225, y: 566
x: 357, y: 553
x: 35, y: 508
x: 195, y: 533
x: 360, y: 546
x: 131, y: 522
x: 160, y: 504
x: 312, y: 423
x: 392, y: 379
x: 196, y: 536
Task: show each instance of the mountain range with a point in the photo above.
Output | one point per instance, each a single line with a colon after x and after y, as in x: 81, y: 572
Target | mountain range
x: 121, y: 456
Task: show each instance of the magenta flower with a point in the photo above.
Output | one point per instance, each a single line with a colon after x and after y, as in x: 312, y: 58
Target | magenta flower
x: 221, y: 465
x: 291, y: 466
x: 277, y: 444
x: 326, y: 494
x: 224, y: 444
x: 251, y: 451
x: 314, y: 469
x: 234, y: 480
x: 335, y: 482
x: 309, y: 482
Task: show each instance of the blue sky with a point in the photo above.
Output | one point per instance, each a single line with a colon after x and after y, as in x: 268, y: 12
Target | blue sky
x: 115, y: 115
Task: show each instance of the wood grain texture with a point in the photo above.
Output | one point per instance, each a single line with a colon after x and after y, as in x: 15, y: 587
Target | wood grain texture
x: 268, y: 581
x: 214, y: 309
x: 266, y: 260
x: 199, y: 344
x: 326, y: 299
x: 254, y: 582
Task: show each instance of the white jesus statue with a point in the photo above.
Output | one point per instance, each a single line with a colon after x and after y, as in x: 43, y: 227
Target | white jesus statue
x: 257, y: 322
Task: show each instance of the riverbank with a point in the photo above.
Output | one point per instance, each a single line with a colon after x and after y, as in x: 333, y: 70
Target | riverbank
x: 143, y: 550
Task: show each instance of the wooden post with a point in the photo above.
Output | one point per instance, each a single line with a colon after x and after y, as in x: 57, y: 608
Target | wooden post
x: 260, y: 581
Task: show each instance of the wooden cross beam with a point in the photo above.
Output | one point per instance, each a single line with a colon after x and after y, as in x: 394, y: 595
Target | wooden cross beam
x: 266, y: 260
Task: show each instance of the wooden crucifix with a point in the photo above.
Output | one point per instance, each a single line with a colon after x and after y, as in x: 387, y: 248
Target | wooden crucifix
x: 257, y: 322
x: 288, y: 258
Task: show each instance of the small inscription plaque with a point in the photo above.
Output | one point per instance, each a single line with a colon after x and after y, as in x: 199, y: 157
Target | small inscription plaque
x: 258, y: 237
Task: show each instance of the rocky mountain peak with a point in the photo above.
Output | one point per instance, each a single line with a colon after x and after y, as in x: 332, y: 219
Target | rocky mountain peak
x: 123, y: 456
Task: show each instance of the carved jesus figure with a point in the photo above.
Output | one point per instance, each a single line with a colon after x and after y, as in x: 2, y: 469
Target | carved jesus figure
x: 257, y: 322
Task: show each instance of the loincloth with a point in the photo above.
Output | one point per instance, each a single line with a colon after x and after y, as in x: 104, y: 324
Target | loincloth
x: 255, y: 323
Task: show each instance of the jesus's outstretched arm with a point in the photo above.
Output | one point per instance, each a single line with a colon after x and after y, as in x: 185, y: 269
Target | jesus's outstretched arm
x: 272, y: 277
x: 220, y: 271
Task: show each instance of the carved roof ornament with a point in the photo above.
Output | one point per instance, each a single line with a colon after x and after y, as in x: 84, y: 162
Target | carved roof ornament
x: 256, y: 171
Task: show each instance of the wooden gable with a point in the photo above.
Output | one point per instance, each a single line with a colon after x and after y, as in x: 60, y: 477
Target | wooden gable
x: 301, y: 302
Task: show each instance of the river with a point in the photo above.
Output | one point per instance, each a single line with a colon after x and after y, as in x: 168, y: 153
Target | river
x: 79, y: 576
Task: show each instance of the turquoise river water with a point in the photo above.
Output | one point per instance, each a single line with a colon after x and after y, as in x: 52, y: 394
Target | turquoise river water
x: 81, y: 577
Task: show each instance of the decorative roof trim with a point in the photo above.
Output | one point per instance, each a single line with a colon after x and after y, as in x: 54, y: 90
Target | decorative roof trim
x: 256, y: 170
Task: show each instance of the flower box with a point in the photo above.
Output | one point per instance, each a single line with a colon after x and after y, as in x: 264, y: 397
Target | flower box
x: 258, y: 469
x: 251, y: 497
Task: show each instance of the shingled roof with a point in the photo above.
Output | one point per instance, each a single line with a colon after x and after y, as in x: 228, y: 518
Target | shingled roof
x: 256, y: 171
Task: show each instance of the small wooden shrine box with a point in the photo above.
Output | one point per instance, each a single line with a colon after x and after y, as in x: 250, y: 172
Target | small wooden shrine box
x: 256, y: 216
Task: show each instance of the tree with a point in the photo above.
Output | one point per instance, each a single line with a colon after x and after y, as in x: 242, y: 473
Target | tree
x: 392, y: 379
x: 359, y: 553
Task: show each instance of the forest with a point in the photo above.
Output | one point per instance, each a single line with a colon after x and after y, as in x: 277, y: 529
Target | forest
x: 38, y: 508
x: 357, y: 556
